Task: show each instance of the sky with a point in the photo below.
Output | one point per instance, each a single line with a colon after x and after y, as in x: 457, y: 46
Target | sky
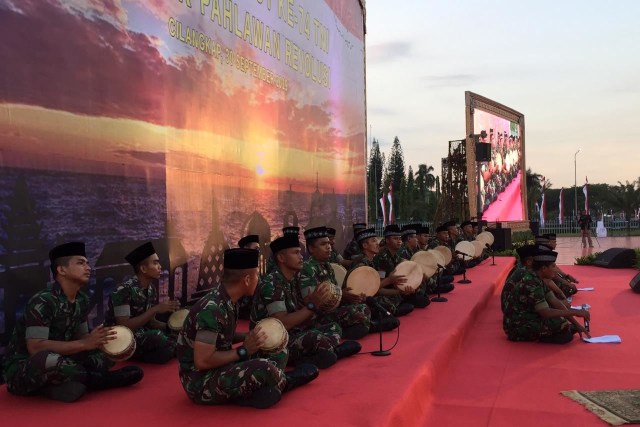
x: 571, y: 67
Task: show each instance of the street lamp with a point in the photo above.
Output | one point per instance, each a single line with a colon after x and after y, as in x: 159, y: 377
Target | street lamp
x: 575, y: 182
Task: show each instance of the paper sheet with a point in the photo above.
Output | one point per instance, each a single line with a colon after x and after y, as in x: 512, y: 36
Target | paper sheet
x: 603, y: 339
x: 579, y: 307
x: 586, y: 289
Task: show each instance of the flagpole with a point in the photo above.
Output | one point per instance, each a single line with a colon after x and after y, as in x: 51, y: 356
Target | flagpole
x: 575, y: 182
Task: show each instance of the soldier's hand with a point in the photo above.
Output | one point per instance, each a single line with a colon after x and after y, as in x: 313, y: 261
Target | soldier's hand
x: 319, y: 295
x: 581, y: 330
x: 572, y: 279
x: 98, y: 337
x: 255, y: 340
x: 584, y: 314
x: 408, y: 290
x: 398, y: 279
x: 351, y: 298
x: 168, y: 306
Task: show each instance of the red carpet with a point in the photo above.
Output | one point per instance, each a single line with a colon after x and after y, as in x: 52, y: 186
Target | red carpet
x: 508, y: 206
x: 451, y: 367
x: 494, y: 382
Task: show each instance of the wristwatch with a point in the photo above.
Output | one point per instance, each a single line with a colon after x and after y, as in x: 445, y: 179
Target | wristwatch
x: 243, y: 354
x: 311, y: 306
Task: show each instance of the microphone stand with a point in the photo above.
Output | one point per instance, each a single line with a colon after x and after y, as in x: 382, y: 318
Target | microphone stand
x: 381, y: 352
x: 493, y: 255
x: 464, y: 279
x: 439, y: 274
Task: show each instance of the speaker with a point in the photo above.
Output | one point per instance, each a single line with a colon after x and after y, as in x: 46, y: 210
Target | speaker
x: 483, y: 152
x: 616, y: 258
x: 635, y: 284
x: 502, y: 238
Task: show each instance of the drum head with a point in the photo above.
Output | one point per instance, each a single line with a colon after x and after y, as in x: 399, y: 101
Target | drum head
x: 466, y: 248
x: 427, y: 261
x: 438, y: 256
x: 479, y: 247
x: 445, y: 252
x: 364, y: 280
x: 340, y: 272
x: 277, y: 335
x: 413, y: 273
x: 485, y: 237
x: 176, y: 320
x: 124, y: 338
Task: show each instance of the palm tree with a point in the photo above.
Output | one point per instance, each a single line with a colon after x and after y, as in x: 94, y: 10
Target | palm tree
x: 625, y: 198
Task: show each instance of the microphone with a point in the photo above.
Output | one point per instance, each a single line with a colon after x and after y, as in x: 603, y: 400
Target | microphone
x: 371, y: 302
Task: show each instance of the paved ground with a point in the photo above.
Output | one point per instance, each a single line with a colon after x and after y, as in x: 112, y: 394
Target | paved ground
x: 569, y: 248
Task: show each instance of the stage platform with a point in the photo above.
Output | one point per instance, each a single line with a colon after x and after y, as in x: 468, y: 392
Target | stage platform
x: 445, y: 370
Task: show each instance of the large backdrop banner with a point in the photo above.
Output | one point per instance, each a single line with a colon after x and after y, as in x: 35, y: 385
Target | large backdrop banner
x: 185, y: 122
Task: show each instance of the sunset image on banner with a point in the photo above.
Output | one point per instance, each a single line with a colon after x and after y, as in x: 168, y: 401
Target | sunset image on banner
x: 190, y: 124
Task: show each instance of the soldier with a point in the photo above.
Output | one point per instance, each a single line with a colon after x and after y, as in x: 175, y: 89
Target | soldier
x: 335, y: 256
x: 442, y: 237
x: 211, y: 371
x: 278, y: 296
x: 286, y: 231
x: 525, y: 256
x: 528, y: 315
x: 564, y: 281
x: 352, y: 248
x: 409, y: 241
x: 388, y: 295
x: 251, y: 241
x: 388, y: 258
x: 467, y: 231
x: 353, y: 316
x: 133, y: 304
x: 454, y: 234
x: 52, y: 351
x: 423, y: 237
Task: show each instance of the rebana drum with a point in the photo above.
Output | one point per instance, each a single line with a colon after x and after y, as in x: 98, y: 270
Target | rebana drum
x: 177, y: 318
x: 364, y: 280
x: 122, y: 347
x: 333, y: 300
x: 277, y: 335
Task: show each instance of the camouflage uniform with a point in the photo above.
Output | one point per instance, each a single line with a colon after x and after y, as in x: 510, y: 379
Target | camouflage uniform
x: 521, y: 322
x: 386, y: 262
x: 566, y: 289
x: 271, y: 265
x: 50, y: 315
x: 212, y: 320
x: 130, y: 300
x: 433, y: 244
x: 514, y: 277
x: 405, y: 252
x: 277, y: 294
x: 390, y: 302
x: 351, y: 250
x: 313, y: 273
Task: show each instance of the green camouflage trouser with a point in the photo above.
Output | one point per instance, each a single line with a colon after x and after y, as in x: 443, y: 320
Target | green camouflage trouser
x: 347, y: 315
x: 389, y: 302
x: 305, y: 342
x: 229, y: 382
x: 28, y: 375
x: 149, y: 340
x: 536, y: 329
x: 566, y: 289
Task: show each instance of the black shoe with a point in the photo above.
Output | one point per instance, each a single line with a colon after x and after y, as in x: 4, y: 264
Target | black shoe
x: 158, y: 356
x: 403, y: 309
x: 347, y: 348
x: 444, y: 288
x: 418, y: 301
x: 303, y: 374
x: 124, y: 377
x: 446, y: 279
x: 262, y: 398
x: 323, y: 359
x: 66, y: 392
x: 355, y: 332
x: 386, y: 324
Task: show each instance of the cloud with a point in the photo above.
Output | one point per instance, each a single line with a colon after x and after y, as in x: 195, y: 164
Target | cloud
x: 385, y: 52
x: 451, y: 80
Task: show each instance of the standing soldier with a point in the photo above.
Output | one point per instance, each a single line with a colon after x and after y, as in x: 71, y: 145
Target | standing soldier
x: 211, y: 371
x: 52, y: 351
x: 133, y: 304
x: 353, y: 316
x: 277, y: 296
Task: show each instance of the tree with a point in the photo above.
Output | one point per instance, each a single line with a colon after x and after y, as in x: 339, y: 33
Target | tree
x: 625, y: 198
x: 395, y: 174
x: 374, y: 181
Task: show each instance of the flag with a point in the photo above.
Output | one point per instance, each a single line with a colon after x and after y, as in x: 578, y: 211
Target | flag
x: 384, y: 211
x: 543, y: 208
x: 561, y: 206
x: 390, y: 197
x: 585, y: 190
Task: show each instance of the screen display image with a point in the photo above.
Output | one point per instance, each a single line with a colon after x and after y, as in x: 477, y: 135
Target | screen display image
x: 502, y: 176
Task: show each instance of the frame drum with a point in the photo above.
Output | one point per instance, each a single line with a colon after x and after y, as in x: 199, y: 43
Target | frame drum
x: 427, y: 262
x: 479, y: 248
x: 467, y: 249
x: 413, y: 273
x: 485, y: 237
x: 364, y: 280
x: 340, y: 272
x: 445, y: 252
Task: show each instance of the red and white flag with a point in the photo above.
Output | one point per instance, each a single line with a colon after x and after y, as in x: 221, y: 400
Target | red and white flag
x: 543, y: 206
x: 561, y: 206
x: 384, y: 211
x: 390, y: 197
x: 585, y: 190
